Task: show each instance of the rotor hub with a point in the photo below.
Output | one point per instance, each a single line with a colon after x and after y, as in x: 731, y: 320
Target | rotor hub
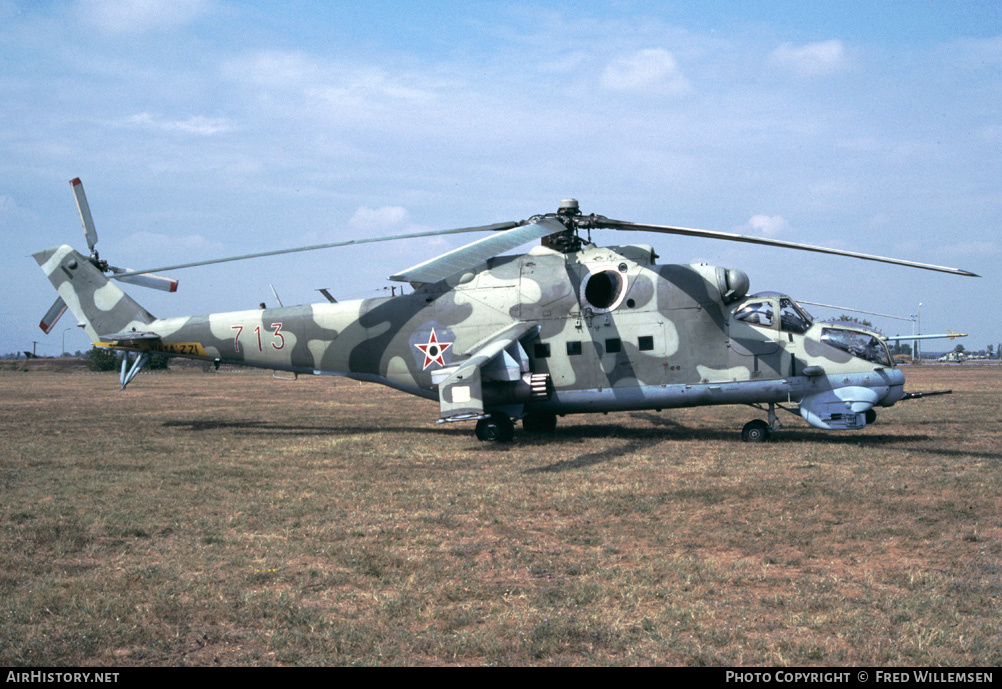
x: 569, y: 207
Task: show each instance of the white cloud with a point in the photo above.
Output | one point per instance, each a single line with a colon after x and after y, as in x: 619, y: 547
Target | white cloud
x: 650, y: 71
x: 167, y: 244
x: 972, y: 248
x: 991, y: 132
x: 364, y: 86
x: 273, y: 69
x: 767, y: 225
x: 395, y: 220
x: 198, y: 125
x: 813, y: 59
x: 384, y: 219
x: 10, y: 211
x: 139, y: 16
x: 336, y: 82
x: 977, y: 53
x: 565, y: 63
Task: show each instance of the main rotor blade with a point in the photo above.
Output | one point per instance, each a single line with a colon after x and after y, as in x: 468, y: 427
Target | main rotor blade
x: 690, y: 232
x: 477, y: 252
x: 314, y: 247
x: 846, y: 308
x: 84, y: 210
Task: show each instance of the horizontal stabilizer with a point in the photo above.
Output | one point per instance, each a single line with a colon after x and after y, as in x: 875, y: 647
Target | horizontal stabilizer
x: 130, y: 336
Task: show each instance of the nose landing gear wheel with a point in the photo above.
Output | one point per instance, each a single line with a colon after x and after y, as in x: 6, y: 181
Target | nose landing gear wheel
x: 496, y: 428
x: 755, y: 431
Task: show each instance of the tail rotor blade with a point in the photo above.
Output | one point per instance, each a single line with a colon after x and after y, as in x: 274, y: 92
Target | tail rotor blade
x: 53, y: 315
x: 84, y: 209
x: 160, y: 282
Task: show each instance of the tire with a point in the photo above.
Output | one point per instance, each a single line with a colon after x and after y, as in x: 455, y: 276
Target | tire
x: 539, y: 423
x: 496, y: 428
x: 756, y: 431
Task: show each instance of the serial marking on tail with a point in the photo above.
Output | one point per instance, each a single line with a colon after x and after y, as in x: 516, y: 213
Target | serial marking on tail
x: 179, y: 348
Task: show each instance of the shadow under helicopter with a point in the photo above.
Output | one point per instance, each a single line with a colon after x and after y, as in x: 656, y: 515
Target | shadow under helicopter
x: 634, y: 439
x: 276, y: 429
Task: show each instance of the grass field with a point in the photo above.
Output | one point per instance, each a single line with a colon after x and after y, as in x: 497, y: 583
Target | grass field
x: 235, y: 519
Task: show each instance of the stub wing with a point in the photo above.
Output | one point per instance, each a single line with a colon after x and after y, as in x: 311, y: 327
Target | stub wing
x: 495, y: 374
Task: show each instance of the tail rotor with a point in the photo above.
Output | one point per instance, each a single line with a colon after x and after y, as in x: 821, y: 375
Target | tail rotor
x: 158, y: 282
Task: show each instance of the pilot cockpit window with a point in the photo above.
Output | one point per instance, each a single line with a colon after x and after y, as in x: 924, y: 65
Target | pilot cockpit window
x: 858, y: 344
x: 792, y: 318
x: 756, y: 313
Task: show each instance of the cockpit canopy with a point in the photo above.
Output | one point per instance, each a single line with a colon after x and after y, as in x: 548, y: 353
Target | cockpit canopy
x: 858, y: 344
x: 762, y: 309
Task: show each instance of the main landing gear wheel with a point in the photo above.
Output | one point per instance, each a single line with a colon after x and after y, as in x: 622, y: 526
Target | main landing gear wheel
x: 871, y: 416
x: 539, y: 423
x: 496, y: 428
x: 755, y: 431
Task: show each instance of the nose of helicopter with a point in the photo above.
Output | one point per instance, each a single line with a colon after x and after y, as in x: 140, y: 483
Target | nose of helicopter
x: 895, y: 381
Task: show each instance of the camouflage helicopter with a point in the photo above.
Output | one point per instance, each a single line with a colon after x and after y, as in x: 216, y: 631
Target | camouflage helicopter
x: 567, y: 328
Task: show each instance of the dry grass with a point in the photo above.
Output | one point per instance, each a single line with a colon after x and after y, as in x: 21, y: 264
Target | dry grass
x: 235, y: 519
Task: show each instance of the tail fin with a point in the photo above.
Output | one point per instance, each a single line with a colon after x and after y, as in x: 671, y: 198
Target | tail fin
x: 98, y: 303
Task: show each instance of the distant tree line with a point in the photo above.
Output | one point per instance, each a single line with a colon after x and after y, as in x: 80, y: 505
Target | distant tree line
x: 20, y: 355
x: 103, y: 359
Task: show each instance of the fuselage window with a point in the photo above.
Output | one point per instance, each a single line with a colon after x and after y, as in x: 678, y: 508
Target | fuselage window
x: 792, y: 318
x: 573, y: 349
x: 645, y: 343
x: 542, y: 350
x: 613, y: 345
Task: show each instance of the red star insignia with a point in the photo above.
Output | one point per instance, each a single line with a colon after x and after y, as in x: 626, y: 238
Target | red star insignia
x: 433, y: 350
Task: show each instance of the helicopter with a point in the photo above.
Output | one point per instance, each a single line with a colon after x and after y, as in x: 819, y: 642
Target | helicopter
x: 568, y: 327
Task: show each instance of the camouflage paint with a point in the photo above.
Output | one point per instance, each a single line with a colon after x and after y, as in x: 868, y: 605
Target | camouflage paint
x: 662, y: 337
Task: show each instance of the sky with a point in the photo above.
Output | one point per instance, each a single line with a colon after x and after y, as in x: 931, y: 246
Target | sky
x: 206, y: 128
